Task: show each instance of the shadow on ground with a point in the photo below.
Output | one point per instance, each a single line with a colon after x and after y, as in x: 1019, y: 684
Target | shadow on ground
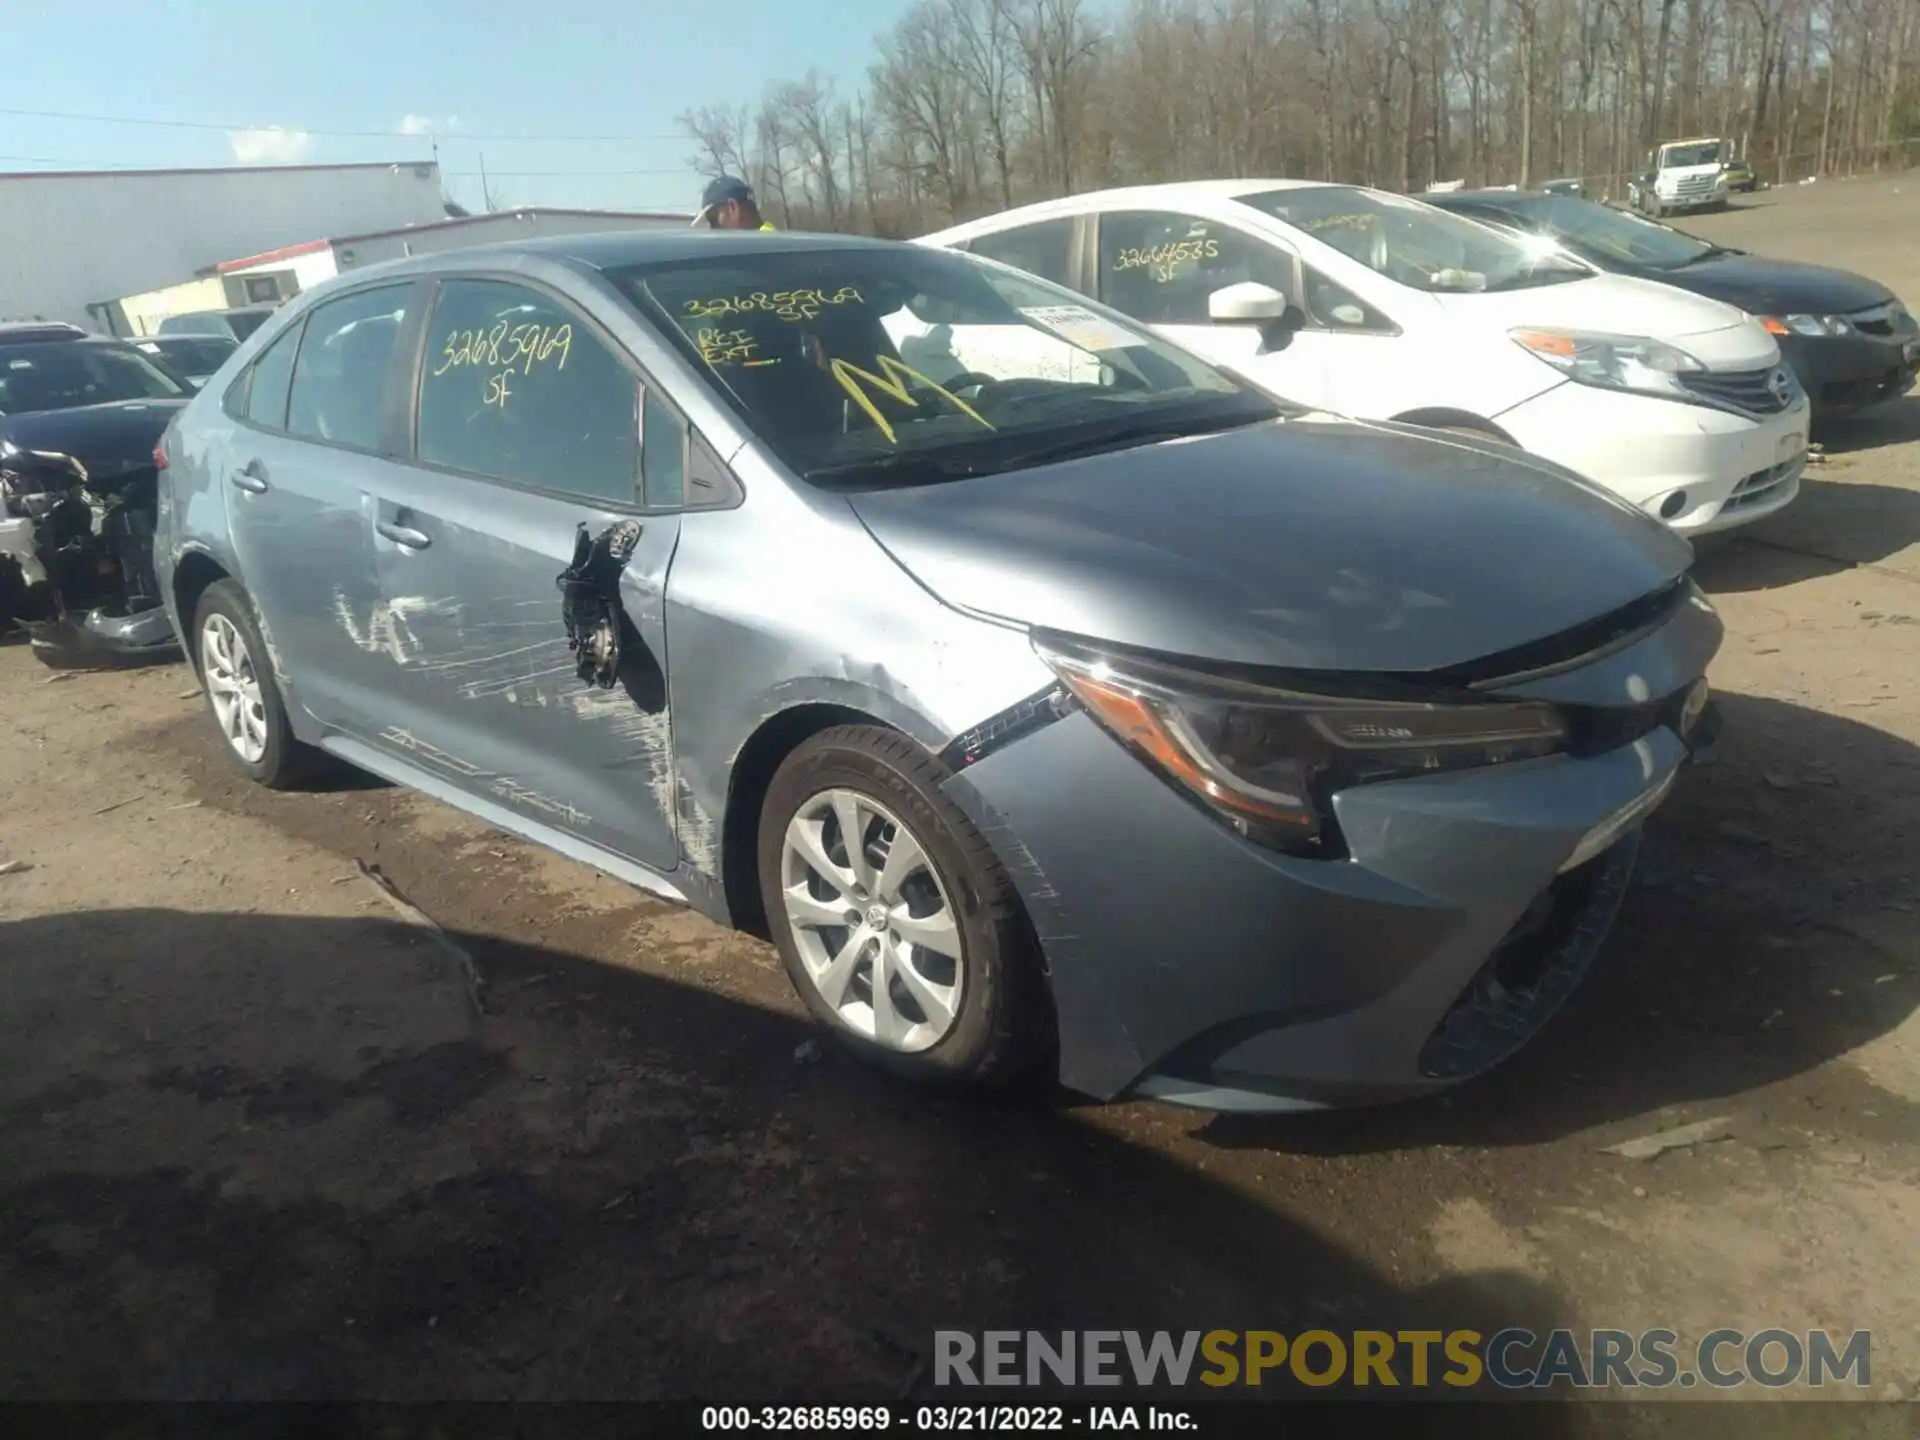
x: 1893, y: 423
x: 255, y: 1157
x: 1834, y: 525
x: 1753, y: 951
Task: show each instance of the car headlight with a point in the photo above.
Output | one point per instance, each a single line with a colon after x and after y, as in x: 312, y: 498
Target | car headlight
x: 1807, y: 324
x: 1613, y: 362
x: 1268, y: 761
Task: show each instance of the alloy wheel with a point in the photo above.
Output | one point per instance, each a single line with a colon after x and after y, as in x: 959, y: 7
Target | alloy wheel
x: 875, y: 930
x: 233, y: 687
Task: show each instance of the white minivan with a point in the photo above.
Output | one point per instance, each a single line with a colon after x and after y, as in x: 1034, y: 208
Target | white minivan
x: 1373, y: 305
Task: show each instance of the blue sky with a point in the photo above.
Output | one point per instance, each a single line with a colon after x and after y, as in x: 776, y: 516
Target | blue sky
x: 484, y: 68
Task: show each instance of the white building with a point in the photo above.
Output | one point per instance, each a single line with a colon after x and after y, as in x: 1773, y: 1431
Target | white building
x: 71, y: 241
x: 280, y: 274
x: 287, y: 271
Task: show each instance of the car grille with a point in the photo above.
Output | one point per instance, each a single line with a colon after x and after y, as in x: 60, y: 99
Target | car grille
x: 1692, y: 186
x: 1763, y: 485
x: 1534, y: 969
x: 1751, y: 391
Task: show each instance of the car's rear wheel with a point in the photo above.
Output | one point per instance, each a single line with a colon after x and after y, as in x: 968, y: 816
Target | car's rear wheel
x: 899, y: 928
x: 241, y: 691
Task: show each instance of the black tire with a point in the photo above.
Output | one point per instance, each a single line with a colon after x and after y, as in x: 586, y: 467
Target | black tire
x: 284, y: 762
x: 1004, y: 1025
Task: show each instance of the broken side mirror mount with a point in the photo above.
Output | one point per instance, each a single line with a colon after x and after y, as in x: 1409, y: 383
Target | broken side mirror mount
x: 590, y: 599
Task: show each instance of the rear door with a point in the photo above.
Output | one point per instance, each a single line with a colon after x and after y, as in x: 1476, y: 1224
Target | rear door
x: 529, y: 425
x: 312, y: 441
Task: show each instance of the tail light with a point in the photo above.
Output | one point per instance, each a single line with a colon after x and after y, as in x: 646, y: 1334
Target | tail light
x: 160, y: 454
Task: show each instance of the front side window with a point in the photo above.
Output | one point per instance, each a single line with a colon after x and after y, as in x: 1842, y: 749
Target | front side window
x: 1160, y: 267
x: 832, y: 356
x: 1413, y: 244
x: 1044, y: 249
x: 57, y: 376
x: 340, y: 374
x: 517, y: 387
x: 272, y: 377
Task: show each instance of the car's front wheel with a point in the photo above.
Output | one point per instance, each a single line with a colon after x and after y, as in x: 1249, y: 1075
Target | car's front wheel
x: 241, y: 690
x: 898, y: 926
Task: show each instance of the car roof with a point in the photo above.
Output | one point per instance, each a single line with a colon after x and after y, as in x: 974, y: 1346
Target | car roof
x: 1171, y: 192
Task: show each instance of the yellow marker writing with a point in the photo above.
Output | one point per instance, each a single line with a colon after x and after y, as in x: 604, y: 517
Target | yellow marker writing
x: 893, y: 382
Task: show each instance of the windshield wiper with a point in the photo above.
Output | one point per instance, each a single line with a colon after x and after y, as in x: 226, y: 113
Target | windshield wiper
x: 1128, y: 437
x: 1528, y: 279
x: 903, y: 468
x: 909, y: 467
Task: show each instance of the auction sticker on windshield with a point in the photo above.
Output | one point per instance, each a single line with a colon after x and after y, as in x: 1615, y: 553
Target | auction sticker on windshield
x: 1080, y: 327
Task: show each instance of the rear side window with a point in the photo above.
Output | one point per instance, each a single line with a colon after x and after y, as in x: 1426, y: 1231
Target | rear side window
x: 341, y: 372
x: 517, y: 387
x: 1045, y: 249
x: 272, y: 375
x: 1160, y: 267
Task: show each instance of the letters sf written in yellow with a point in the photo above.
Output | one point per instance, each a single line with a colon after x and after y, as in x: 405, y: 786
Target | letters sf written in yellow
x: 892, y: 380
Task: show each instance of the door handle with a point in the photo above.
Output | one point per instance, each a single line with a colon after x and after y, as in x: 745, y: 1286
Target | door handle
x: 251, y: 477
x: 403, y: 535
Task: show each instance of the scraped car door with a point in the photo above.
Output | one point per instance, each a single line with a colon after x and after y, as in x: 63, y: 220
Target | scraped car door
x: 529, y: 429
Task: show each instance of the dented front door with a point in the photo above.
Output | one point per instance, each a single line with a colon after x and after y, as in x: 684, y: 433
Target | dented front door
x: 527, y: 429
x: 485, y: 691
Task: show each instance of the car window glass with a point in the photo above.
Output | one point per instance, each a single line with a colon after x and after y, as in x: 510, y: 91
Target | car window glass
x: 1160, y: 267
x: 1331, y: 306
x: 244, y: 323
x: 842, y: 357
x: 663, y: 454
x: 60, y: 376
x: 517, y: 387
x: 272, y: 375
x: 1045, y: 249
x: 340, y: 373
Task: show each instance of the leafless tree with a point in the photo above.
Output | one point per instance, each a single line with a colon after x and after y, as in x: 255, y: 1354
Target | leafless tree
x: 974, y: 105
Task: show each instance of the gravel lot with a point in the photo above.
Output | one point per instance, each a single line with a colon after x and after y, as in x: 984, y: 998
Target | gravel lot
x: 259, y: 1143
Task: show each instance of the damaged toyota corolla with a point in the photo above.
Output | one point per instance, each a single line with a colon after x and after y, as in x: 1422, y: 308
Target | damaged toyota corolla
x: 1048, y: 696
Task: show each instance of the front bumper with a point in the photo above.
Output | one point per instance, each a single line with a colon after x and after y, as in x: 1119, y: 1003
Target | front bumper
x: 1725, y: 469
x: 1191, y: 965
x: 1845, y: 373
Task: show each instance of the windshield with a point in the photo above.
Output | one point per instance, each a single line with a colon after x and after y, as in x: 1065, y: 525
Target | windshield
x: 61, y: 377
x: 1615, y: 235
x: 1412, y: 243
x: 1701, y: 152
x: 925, y: 363
x: 245, y: 322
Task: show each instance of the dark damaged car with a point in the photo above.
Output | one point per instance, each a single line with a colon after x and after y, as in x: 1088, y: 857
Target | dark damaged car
x: 80, y: 416
x: 1093, y: 712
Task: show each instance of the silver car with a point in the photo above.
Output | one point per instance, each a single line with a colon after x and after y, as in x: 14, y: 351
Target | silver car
x: 1048, y: 696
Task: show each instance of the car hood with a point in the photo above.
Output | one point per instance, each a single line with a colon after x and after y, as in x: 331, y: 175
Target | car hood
x: 1718, y: 333
x: 1311, y: 543
x: 108, y: 439
x: 1779, y: 287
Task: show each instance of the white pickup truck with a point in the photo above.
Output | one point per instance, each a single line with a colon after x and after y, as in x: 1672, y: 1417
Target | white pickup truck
x: 1681, y: 175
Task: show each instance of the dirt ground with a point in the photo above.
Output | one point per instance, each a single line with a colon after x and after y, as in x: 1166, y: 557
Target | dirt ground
x: 258, y: 1142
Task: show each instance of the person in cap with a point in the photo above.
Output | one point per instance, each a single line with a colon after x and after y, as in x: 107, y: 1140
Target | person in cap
x: 729, y: 205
